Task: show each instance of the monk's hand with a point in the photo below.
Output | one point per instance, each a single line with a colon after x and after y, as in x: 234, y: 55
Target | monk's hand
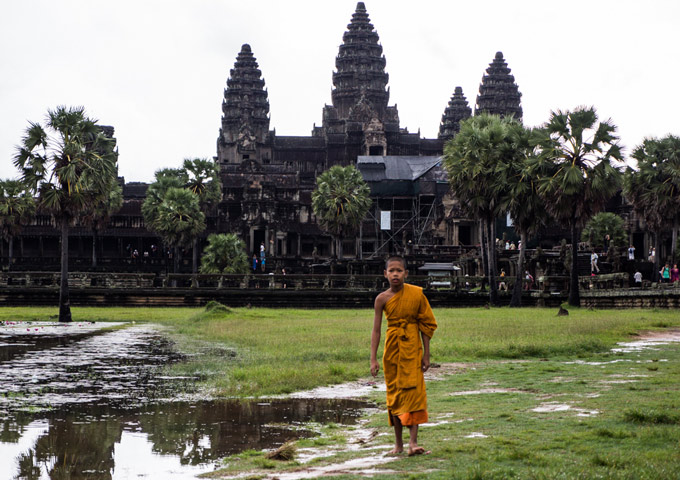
x: 425, y: 364
x: 375, y: 367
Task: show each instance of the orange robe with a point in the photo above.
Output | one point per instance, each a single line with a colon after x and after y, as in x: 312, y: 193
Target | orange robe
x: 408, y: 313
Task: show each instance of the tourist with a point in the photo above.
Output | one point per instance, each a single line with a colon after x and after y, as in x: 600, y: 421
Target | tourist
x: 665, y: 273
x: 254, y: 263
x: 593, y: 264
x: 606, y: 244
x: 262, y: 250
x: 410, y: 321
x: 652, y: 254
x: 513, y: 246
x: 675, y: 273
x: 262, y: 262
x: 631, y: 253
x: 638, y: 278
x: 502, y: 285
x: 528, y: 280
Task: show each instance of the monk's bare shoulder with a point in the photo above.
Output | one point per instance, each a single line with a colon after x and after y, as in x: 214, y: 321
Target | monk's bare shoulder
x: 383, y: 297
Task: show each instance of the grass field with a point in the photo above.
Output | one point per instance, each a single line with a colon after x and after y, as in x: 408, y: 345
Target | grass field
x: 532, y: 395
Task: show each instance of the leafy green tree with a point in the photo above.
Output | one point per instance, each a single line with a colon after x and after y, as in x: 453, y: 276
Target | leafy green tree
x: 597, y: 229
x: 225, y: 253
x: 203, y: 180
x: 577, y: 173
x: 340, y: 202
x: 17, y: 207
x: 601, y: 225
x: 178, y: 220
x: 69, y: 163
x: 480, y: 161
x: 654, y: 188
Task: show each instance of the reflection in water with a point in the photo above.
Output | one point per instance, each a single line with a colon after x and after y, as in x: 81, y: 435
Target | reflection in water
x: 79, y: 402
x: 160, y: 441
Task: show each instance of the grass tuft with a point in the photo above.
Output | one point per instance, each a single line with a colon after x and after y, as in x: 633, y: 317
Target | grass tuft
x: 651, y: 417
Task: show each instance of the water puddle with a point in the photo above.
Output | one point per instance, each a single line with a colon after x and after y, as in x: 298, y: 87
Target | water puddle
x: 88, y: 401
x: 173, y: 440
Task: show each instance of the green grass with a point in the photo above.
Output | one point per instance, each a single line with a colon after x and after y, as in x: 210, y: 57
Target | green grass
x: 622, y: 421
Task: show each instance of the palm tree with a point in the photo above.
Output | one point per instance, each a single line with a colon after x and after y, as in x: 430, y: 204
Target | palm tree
x: 99, y: 213
x: 69, y: 164
x: 524, y: 204
x: 17, y: 206
x: 225, y: 254
x: 178, y: 219
x: 654, y: 189
x: 166, y: 178
x: 477, y: 160
x: 578, y: 173
x: 204, y: 181
x: 340, y: 202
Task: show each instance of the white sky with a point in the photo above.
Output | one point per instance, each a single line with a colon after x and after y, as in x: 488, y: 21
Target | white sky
x: 156, y: 69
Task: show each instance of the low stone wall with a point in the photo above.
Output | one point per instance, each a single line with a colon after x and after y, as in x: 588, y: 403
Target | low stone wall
x: 632, y: 298
x: 272, y: 298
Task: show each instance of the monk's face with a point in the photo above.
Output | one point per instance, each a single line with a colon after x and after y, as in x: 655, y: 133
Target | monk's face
x: 396, y: 273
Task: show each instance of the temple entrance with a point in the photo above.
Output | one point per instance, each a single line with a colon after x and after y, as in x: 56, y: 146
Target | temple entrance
x: 258, y: 237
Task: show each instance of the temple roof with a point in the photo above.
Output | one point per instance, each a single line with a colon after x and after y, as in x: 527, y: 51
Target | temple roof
x: 391, y: 167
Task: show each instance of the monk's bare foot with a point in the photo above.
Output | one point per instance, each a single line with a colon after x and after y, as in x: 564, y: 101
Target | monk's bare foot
x: 418, y: 451
x: 396, y: 451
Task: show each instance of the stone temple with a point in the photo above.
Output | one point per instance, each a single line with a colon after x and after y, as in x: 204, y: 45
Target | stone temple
x: 267, y: 179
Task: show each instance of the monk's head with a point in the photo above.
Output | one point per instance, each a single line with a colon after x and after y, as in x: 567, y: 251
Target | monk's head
x: 395, y: 271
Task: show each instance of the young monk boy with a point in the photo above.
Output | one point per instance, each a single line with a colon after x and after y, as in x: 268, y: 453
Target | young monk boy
x: 405, y: 357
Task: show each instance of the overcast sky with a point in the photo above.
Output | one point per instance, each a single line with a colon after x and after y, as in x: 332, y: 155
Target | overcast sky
x: 156, y: 69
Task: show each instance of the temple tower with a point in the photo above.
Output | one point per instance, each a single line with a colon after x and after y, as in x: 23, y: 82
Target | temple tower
x: 457, y: 110
x: 360, y: 93
x: 498, y: 92
x: 245, y: 114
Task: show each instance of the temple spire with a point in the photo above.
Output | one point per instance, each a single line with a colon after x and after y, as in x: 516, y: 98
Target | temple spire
x: 498, y: 92
x: 457, y: 110
x: 245, y: 109
x: 360, y: 67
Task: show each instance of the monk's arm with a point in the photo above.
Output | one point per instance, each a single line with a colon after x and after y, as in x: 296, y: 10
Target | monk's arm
x: 426, y: 352
x: 375, y: 334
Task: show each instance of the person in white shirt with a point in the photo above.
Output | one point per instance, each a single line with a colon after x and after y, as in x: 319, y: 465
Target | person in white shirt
x: 593, y: 263
x: 638, y: 278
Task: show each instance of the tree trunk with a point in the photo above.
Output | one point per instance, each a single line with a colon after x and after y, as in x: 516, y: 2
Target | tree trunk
x: 175, y: 259
x: 574, y: 295
x: 655, y: 275
x: 64, y: 298
x: 94, y: 248
x: 338, y: 247
x: 10, y: 253
x: 516, y: 300
x: 194, y: 257
x: 491, y: 248
x: 483, y: 253
x: 674, y: 240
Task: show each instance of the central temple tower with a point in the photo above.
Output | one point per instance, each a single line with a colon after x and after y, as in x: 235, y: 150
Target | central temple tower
x: 360, y: 115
